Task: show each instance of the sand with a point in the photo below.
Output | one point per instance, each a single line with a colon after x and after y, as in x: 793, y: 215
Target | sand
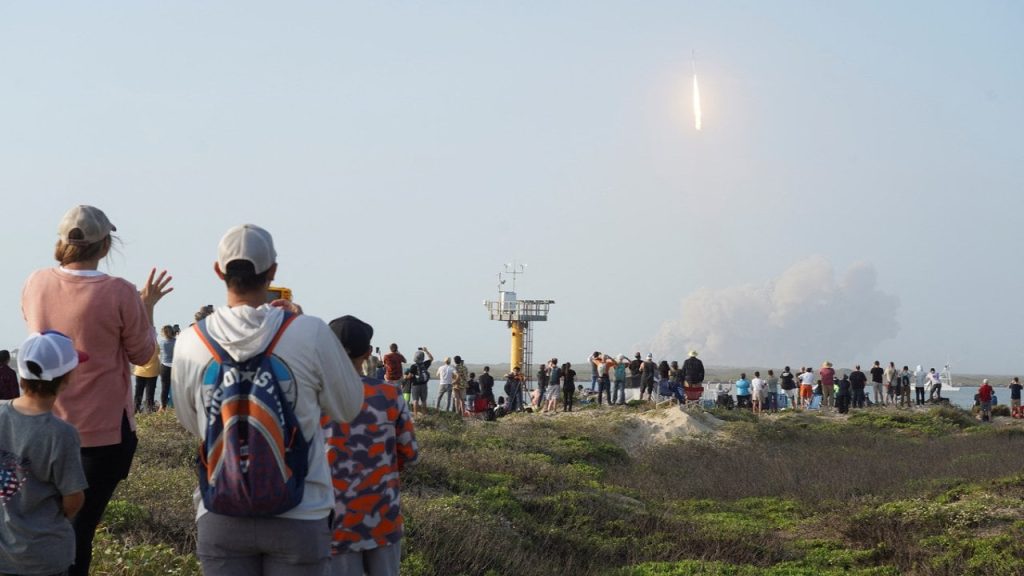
x: 666, y: 424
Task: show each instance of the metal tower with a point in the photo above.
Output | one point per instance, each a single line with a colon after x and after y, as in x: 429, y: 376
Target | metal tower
x: 519, y: 316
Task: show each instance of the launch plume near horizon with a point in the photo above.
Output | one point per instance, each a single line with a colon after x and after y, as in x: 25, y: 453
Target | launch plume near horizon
x: 806, y: 314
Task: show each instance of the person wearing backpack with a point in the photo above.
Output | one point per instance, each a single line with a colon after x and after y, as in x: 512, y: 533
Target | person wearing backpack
x: 421, y: 362
x: 251, y: 381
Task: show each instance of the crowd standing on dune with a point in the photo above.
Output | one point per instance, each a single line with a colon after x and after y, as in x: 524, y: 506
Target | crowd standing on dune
x: 303, y: 427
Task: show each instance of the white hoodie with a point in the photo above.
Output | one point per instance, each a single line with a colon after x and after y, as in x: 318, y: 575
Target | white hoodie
x: 324, y: 378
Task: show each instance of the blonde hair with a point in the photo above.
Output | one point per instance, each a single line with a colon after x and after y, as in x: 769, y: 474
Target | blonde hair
x: 66, y: 253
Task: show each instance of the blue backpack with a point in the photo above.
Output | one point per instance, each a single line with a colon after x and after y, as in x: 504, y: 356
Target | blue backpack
x: 254, y: 459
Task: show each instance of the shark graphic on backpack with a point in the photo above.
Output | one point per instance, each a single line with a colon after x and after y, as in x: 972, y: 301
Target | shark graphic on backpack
x: 254, y: 459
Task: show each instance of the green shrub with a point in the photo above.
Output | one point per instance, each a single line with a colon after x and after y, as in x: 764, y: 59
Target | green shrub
x: 1001, y: 410
x: 114, y: 557
x: 124, y: 516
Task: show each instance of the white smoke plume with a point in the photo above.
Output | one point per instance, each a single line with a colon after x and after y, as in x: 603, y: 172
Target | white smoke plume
x: 804, y: 315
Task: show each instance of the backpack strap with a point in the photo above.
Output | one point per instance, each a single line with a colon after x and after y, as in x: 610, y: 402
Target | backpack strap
x: 216, y: 350
x: 288, y: 318
x: 219, y: 353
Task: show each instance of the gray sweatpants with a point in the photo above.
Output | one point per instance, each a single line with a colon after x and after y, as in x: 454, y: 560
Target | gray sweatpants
x: 229, y: 546
x: 383, y: 561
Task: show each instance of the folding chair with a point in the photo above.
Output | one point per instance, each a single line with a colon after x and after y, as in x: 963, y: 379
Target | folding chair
x: 693, y: 395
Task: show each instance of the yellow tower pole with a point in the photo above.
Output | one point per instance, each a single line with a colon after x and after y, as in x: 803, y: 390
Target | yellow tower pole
x: 518, y: 330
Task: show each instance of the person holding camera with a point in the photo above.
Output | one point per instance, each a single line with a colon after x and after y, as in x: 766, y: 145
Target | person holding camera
x: 421, y: 364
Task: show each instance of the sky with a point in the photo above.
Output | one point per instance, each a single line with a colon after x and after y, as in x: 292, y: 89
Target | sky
x: 855, y: 192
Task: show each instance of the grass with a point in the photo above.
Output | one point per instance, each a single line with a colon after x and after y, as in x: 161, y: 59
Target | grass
x: 884, y: 492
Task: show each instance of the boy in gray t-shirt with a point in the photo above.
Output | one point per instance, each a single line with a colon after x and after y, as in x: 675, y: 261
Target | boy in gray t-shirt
x: 41, y: 478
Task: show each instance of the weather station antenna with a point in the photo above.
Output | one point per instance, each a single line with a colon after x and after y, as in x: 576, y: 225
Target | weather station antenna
x: 519, y: 316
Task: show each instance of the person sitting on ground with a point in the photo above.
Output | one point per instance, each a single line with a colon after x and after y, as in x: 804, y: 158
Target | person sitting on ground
x: 500, y: 409
x: 667, y: 386
x: 46, y: 487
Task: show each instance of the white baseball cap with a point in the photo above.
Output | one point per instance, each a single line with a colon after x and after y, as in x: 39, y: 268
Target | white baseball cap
x: 90, y: 222
x: 51, y: 352
x: 250, y: 243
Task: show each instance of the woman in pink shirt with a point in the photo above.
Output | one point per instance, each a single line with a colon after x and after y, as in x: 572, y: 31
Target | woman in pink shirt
x: 112, y: 322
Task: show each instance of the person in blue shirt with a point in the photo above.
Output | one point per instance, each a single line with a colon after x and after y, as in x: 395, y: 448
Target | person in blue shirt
x: 743, y: 392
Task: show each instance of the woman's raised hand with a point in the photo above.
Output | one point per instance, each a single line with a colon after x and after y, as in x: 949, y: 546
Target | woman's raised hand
x: 157, y: 286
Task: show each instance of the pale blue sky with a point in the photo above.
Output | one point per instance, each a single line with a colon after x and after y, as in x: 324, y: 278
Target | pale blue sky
x: 402, y: 152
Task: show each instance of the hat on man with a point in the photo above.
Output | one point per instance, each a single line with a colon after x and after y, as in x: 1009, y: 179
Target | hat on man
x: 247, y: 242
x: 354, y: 335
x: 51, y: 352
x: 693, y: 353
x: 84, y: 225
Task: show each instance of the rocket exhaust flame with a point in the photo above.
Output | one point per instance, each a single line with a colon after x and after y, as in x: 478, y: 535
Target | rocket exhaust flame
x: 696, y: 103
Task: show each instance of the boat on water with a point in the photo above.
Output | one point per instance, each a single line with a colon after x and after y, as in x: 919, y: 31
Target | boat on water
x: 947, y: 380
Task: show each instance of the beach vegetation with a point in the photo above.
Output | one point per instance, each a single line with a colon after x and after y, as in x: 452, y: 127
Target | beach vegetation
x: 879, y: 493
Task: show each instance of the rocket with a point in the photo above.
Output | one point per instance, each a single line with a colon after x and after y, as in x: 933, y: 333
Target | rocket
x: 696, y: 93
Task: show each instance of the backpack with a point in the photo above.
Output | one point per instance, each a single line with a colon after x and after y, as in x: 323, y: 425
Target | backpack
x: 254, y: 459
x: 424, y: 374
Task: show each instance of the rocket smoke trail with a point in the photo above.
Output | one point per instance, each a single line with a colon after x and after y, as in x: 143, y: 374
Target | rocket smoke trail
x: 696, y: 97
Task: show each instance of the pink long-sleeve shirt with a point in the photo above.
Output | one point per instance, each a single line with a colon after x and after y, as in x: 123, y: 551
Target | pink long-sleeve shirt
x: 105, y: 318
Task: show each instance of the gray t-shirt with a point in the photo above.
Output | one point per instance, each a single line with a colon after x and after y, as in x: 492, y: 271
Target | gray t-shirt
x: 39, y: 463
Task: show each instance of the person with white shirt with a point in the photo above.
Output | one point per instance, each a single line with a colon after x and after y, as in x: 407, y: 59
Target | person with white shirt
x: 758, y: 387
x: 806, y: 387
x: 446, y: 376
x: 317, y: 378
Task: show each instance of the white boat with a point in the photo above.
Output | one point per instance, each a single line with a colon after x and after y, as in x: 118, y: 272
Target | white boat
x: 947, y: 380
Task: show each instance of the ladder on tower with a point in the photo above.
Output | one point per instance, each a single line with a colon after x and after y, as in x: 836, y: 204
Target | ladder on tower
x: 528, y: 354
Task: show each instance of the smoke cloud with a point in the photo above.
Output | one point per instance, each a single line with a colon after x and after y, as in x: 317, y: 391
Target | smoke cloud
x: 806, y: 315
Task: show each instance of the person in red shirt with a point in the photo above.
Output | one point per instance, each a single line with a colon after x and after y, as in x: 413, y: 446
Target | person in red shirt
x: 393, y: 365
x: 985, y: 399
x: 828, y: 382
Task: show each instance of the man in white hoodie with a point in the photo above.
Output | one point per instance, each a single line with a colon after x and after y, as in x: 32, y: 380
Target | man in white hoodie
x: 322, y: 378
